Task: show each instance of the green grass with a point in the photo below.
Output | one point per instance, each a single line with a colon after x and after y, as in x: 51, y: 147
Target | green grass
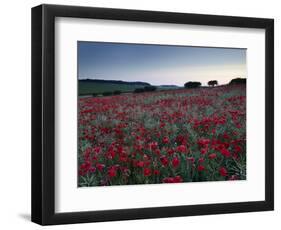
x: 87, y: 88
x: 169, y: 87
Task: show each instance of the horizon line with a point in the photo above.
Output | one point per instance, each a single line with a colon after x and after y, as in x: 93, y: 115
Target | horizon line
x: 150, y: 83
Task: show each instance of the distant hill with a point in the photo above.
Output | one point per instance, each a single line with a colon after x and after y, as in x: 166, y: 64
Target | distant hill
x: 115, y: 82
x: 97, y: 86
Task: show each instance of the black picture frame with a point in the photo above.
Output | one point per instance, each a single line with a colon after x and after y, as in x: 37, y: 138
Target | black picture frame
x: 43, y: 114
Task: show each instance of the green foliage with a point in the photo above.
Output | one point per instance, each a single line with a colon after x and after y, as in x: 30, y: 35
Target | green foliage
x: 238, y: 81
x: 107, y: 93
x: 192, y: 84
x: 90, y: 88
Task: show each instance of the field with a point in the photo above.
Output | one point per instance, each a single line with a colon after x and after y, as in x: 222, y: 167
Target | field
x: 88, y: 88
x: 173, y: 136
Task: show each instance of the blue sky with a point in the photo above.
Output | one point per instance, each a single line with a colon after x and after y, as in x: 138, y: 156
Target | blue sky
x: 159, y: 64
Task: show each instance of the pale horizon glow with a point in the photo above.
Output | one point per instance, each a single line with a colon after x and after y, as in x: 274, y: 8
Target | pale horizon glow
x: 159, y: 64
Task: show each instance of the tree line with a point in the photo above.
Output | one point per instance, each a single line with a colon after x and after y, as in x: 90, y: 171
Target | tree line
x: 188, y: 85
x: 212, y: 83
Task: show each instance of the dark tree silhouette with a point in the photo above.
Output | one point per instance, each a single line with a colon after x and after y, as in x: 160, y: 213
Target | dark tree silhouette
x: 238, y: 81
x: 150, y: 88
x: 145, y: 89
x: 107, y: 93
x: 139, y: 90
x: 212, y: 83
x: 192, y: 84
x: 117, y: 92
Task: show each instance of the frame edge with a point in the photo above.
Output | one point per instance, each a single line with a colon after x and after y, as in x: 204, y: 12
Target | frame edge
x: 269, y: 113
x: 36, y: 114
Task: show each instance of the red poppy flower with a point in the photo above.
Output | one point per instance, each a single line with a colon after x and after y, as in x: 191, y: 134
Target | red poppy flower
x: 223, y: 172
x: 203, y: 151
x: 111, y: 154
x: 164, y: 160
x: 156, y: 172
x: 225, y: 152
x: 200, y: 160
x: 212, y: 156
x: 237, y: 149
x: 112, y: 172
x: 180, y: 139
x: 157, y: 151
x: 147, y: 172
x: 175, y: 162
x: 97, y: 149
x: 165, y: 140
x: 92, y: 169
x: 85, y: 168
x: 178, y: 179
x: 200, y: 168
x: 203, y: 142
x: 225, y: 136
x: 140, y: 164
x: 153, y: 145
x: 100, y: 167
x: 168, y: 180
x: 171, y: 151
x: 181, y: 149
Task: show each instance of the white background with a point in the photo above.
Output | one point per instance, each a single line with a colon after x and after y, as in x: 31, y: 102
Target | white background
x: 71, y: 199
x: 15, y: 114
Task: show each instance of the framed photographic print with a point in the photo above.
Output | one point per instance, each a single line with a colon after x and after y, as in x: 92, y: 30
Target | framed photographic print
x: 142, y: 114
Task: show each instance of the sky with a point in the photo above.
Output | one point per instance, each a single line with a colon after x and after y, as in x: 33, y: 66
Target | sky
x: 159, y: 64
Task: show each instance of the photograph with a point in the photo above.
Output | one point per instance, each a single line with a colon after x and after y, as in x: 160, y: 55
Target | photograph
x: 152, y: 114
x: 140, y: 114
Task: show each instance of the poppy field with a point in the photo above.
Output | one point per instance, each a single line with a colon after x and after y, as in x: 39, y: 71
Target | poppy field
x: 172, y: 136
